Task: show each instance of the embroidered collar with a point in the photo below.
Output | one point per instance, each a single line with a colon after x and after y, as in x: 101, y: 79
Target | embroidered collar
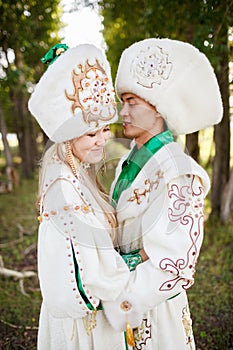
x: 136, y: 160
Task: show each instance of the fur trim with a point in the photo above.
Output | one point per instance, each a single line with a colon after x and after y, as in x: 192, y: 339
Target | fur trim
x: 75, y: 95
x: 176, y: 78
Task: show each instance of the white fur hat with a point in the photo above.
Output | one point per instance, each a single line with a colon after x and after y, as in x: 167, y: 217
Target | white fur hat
x: 75, y: 95
x: 176, y: 78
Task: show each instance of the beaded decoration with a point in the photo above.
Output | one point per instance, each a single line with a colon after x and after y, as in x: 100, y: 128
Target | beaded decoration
x: 93, y: 93
x: 151, y: 66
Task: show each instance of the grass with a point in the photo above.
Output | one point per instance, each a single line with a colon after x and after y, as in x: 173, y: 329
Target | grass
x: 210, y: 297
x: 19, y: 312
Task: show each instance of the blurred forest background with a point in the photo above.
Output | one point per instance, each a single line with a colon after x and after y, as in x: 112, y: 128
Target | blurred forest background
x: 27, y: 31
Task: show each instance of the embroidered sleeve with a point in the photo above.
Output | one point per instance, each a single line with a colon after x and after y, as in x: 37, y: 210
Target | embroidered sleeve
x: 172, y: 230
x: 78, y: 265
x: 185, y: 227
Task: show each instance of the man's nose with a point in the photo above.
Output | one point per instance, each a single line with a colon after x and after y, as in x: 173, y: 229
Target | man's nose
x: 124, y: 110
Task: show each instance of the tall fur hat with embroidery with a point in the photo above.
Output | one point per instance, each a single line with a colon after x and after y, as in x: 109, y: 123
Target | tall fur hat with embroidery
x: 75, y: 95
x: 176, y: 78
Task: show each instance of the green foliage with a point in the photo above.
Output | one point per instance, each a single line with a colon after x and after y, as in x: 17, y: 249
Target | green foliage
x: 30, y: 26
x: 27, y: 30
x: 202, y: 23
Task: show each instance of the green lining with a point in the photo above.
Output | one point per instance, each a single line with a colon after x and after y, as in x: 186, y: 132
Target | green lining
x: 176, y: 295
x: 79, y: 283
x: 126, y: 344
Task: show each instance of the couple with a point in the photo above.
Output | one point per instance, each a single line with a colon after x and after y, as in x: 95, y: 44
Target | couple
x: 115, y: 276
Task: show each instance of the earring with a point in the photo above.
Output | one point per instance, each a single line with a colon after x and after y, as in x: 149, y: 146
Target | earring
x: 103, y: 167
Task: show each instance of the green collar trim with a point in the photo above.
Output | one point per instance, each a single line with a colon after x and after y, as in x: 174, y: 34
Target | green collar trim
x: 136, y: 160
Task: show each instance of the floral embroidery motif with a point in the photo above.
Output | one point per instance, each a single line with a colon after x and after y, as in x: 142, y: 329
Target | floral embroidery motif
x: 184, y: 199
x: 151, y: 185
x: 151, y: 66
x: 187, y: 323
x: 93, y: 93
x: 142, y: 334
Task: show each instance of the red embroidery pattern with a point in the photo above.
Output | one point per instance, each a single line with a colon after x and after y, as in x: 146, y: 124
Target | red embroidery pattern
x: 185, y: 198
x: 142, y: 334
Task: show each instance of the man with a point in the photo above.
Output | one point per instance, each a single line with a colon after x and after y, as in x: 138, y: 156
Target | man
x: 167, y: 88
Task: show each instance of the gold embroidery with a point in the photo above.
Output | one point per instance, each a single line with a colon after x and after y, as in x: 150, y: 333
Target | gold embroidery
x: 137, y: 196
x: 142, y: 334
x: 151, y: 185
x: 93, y: 93
x: 77, y: 82
x: 139, y: 331
x: 187, y: 323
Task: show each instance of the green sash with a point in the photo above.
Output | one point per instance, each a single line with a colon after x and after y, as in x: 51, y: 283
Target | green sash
x: 136, y: 160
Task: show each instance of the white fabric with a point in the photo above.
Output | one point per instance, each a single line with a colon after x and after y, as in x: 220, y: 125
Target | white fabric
x: 167, y: 221
x: 176, y: 78
x: 70, y: 334
x: 71, y: 218
x: 66, y: 108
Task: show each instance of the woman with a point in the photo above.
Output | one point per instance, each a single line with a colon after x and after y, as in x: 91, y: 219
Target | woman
x: 78, y: 264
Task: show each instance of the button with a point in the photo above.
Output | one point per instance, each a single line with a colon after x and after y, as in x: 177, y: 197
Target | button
x: 126, y: 306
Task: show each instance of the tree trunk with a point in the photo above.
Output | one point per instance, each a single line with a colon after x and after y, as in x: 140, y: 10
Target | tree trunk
x: 7, y: 152
x: 24, y: 123
x: 192, y: 145
x: 227, y: 201
x: 12, y: 176
x: 221, y: 133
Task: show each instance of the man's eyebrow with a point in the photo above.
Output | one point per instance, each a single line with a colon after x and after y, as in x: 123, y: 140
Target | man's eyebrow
x: 128, y: 99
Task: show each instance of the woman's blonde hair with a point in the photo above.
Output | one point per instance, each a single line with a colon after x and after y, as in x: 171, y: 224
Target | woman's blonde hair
x: 89, y: 179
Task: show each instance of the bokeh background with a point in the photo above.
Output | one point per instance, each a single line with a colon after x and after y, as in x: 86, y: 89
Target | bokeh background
x: 27, y: 31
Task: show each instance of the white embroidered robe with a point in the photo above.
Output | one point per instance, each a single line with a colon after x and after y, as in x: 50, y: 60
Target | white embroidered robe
x: 71, y: 231
x: 162, y: 211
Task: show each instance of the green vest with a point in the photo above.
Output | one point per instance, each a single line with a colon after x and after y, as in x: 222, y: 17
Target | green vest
x: 136, y: 160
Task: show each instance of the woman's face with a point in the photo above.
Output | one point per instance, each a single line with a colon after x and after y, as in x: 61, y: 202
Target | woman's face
x: 89, y: 147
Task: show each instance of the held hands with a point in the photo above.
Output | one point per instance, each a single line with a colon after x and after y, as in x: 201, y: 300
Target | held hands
x: 135, y: 258
x: 143, y: 255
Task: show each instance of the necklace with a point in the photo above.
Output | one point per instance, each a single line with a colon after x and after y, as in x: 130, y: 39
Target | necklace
x: 84, y: 166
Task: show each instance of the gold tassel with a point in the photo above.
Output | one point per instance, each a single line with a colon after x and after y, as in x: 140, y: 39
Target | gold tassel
x: 73, y: 330
x: 89, y: 322
x: 129, y: 335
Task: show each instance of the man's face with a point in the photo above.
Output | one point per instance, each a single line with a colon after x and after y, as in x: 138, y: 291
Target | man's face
x: 138, y: 117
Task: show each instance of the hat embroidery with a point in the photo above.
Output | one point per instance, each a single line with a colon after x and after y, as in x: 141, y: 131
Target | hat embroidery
x: 93, y: 93
x: 151, y: 66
